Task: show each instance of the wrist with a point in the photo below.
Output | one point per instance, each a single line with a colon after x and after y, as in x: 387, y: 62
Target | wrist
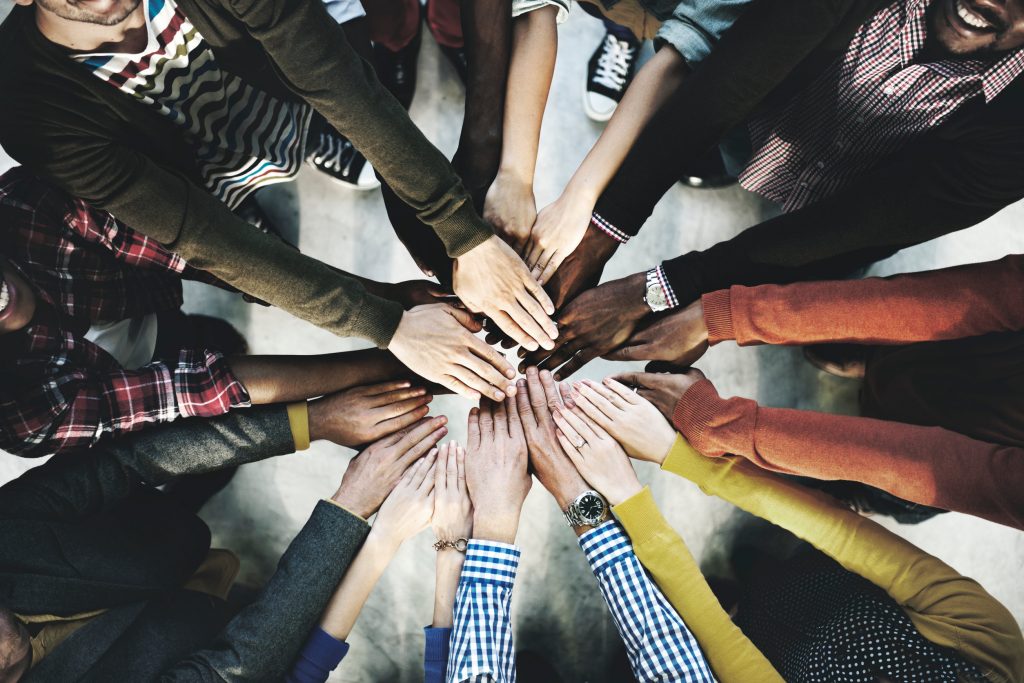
x: 383, y: 541
x: 496, y: 525
x: 579, y: 194
x: 318, y: 421
x: 354, y: 502
x: 515, y: 174
x: 622, y: 493
x: 635, y: 301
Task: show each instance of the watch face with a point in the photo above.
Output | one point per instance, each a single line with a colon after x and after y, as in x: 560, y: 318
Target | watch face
x: 656, y: 297
x: 591, y: 508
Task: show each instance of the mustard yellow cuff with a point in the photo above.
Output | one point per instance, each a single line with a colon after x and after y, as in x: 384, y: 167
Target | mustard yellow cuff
x: 682, y: 458
x: 298, y: 420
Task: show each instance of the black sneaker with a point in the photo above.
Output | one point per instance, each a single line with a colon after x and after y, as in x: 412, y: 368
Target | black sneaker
x: 330, y: 152
x: 397, y: 70
x: 609, y: 73
x: 457, y: 57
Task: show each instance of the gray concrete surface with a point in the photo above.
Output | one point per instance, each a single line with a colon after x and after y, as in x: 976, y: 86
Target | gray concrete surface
x: 558, y: 611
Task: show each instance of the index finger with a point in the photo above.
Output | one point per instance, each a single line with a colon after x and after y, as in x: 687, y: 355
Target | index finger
x: 501, y: 419
x: 538, y: 293
x: 523, y: 406
x: 489, y: 354
x: 635, y: 379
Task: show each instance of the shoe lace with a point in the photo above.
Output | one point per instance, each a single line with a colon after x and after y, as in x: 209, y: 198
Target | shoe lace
x: 614, y: 62
x: 333, y: 153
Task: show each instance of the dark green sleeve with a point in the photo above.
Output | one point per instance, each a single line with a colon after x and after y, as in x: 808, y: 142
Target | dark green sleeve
x: 260, y: 643
x: 316, y: 61
x: 77, y: 155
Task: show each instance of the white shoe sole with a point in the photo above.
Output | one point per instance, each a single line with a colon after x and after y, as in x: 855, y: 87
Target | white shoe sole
x: 593, y: 114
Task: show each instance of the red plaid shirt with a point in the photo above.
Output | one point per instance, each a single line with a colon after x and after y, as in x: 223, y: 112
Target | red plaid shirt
x: 869, y: 104
x: 57, y: 389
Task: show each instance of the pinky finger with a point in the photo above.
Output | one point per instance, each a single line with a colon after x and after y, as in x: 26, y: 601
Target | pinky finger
x: 460, y: 388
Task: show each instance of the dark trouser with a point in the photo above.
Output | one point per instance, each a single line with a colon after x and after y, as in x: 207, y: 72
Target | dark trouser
x: 141, y: 547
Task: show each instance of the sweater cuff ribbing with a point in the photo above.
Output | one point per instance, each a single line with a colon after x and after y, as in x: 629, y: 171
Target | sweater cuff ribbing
x: 640, y: 517
x: 694, y: 411
x: 718, y: 316
x: 463, y: 230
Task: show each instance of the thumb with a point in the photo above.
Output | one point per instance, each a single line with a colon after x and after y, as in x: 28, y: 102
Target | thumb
x: 466, y: 319
x: 666, y: 366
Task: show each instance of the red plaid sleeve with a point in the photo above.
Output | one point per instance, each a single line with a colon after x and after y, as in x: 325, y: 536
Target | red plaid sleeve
x: 74, y: 408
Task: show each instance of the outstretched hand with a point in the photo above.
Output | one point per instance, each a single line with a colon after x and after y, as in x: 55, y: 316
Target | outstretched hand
x: 373, y: 474
x: 496, y: 469
x: 363, y: 414
x: 453, y: 510
x: 511, y: 208
x: 438, y: 343
x: 632, y: 420
x: 680, y: 338
x: 408, y: 508
x: 593, y: 324
x: 661, y: 388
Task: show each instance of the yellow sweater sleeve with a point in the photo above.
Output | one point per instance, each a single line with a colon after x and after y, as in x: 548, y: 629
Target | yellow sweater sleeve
x: 733, y: 658
x: 298, y: 420
x: 948, y: 609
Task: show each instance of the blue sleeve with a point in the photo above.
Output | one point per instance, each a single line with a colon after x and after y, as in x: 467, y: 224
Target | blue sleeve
x: 318, y: 658
x: 659, y: 645
x: 435, y: 653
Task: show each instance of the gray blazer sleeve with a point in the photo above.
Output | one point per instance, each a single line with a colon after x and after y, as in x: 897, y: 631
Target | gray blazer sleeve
x: 260, y: 643
x: 81, y: 483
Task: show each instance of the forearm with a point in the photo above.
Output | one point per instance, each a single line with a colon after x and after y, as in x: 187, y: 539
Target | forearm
x: 487, y: 30
x: 663, y: 553
x: 534, y: 45
x: 926, y: 465
x: 446, y: 584
x: 950, y: 303
x: 651, y: 87
x: 348, y: 600
x: 282, y: 379
x: 948, y: 609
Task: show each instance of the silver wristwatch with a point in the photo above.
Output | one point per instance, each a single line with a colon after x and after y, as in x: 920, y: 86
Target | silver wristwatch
x: 654, y: 295
x: 588, y: 509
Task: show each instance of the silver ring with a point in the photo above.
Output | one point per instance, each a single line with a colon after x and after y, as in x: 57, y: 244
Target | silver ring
x: 580, y: 444
x: 636, y: 389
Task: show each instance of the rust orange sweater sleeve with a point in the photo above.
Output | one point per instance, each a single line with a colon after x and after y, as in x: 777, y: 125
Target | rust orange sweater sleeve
x: 927, y: 465
x: 950, y: 303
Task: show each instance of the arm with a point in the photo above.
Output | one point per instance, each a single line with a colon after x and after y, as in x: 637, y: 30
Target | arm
x: 659, y: 645
x: 439, y: 634
x: 497, y: 480
x: 405, y: 512
x: 487, y: 31
x: 510, y: 205
x: 926, y: 465
x: 948, y: 609
x: 481, y: 643
x: 663, y: 553
x: 68, y: 407
x: 951, y: 303
x: 261, y: 642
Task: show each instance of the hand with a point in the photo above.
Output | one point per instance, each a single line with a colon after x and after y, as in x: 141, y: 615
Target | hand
x: 511, y: 209
x: 496, y: 473
x: 372, y: 474
x: 408, y: 508
x: 491, y: 279
x: 597, y: 456
x: 582, y: 269
x: 631, y: 420
x: 535, y: 398
x: 437, y: 343
x: 558, y: 231
x: 453, y: 512
x: 363, y: 414
x: 596, y: 322
x: 680, y: 338
x: 662, y: 389
x: 412, y: 293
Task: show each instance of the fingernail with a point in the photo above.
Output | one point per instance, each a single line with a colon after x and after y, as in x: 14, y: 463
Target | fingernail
x: 443, y: 430
x: 510, y: 373
x: 443, y: 419
x: 558, y: 378
x: 548, y: 344
x: 499, y: 396
x: 510, y: 390
x: 521, y: 383
x: 419, y: 392
x: 532, y: 345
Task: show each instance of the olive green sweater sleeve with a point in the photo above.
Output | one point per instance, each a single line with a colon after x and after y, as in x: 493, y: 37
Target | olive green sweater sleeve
x: 662, y: 552
x: 947, y: 608
x: 315, y: 60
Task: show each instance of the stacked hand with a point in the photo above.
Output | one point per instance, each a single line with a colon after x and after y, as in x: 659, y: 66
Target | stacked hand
x: 453, y: 510
x: 496, y: 470
x: 375, y: 472
x: 558, y: 231
x: 408, y: 508
x: 491, y: 279
x: 511, y: 209
x: 363, y: 414
x: 680, y: 338
x: 662, y: 389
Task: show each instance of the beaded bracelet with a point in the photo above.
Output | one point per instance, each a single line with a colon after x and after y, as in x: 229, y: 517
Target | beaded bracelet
x: 459, y: 544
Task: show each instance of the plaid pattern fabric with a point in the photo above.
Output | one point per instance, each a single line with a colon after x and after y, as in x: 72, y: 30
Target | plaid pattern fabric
x: 868, y: 105
x: 57, y: 389
x: 481, y: 648
x: 659, y: 645
x: 666, y: 287
x: 607, y: 228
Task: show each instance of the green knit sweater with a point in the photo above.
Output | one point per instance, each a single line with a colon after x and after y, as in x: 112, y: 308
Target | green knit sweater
x: 101, y: 145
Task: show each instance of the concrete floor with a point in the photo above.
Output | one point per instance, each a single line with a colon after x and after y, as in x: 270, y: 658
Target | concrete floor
x: 558, y: 610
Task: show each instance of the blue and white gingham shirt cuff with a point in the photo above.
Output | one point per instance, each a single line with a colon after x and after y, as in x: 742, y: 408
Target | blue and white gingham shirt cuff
x: 491, y: 561
x: 604, y: 545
